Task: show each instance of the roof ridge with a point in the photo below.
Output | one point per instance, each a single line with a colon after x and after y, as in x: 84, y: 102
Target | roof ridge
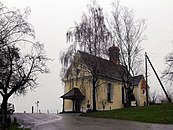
x: 94, y: 56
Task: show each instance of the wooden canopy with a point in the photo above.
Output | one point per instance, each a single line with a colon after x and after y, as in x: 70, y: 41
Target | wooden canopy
x: 76, y: 96
x: 73, y: 94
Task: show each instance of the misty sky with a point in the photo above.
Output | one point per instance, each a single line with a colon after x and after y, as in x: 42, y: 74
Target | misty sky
x: 52, y: 18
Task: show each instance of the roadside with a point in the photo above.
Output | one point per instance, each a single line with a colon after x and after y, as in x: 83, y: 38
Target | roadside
x: 16, y: 126
x: 70, y: 121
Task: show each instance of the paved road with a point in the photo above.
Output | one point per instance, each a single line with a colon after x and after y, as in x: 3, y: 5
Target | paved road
x: 75, y: 122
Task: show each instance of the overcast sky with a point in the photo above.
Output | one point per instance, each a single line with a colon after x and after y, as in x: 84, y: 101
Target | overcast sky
x: 52, y: 18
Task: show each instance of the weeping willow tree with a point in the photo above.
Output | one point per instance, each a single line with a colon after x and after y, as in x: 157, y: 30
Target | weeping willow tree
x: 91, y: 35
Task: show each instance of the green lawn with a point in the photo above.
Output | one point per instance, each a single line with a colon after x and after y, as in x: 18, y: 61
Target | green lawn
x: 162, y: 113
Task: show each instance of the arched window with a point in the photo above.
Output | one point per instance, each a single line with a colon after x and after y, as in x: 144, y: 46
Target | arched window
x: 110, y: 92
x: 143, y: 91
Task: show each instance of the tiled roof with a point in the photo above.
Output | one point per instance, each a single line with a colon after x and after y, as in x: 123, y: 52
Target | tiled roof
x: 103, y: 67
x: 136, y: 80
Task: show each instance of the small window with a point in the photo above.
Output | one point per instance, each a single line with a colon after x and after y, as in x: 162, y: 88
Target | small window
x: 110, y: 92
x: 143, y: 91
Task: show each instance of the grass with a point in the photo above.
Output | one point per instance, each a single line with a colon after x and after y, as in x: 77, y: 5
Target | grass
x: 162, y: 114
x: 15, y: 126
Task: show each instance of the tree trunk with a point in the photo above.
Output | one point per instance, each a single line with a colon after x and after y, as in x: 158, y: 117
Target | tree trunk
x: 94, y: 94
x: 4, y: 112
x: 127, y: 98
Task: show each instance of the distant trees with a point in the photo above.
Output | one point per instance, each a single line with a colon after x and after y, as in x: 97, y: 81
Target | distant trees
x: 168, y: 72
x: 18, y: 67
x: 154, y: 97
x: 164, y: 99
x: 167, y: 75
x: 128, y: 34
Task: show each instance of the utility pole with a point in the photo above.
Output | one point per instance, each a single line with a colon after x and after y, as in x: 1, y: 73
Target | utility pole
x: 146, y: 76
x: 158, y: 78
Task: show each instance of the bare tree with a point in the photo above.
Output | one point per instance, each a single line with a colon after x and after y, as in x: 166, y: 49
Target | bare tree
x: 164, y: 99
x: 154, y: 96
x: 128, y: 34
x: 20, y: 72
x: 14, y: 26
x: 168, y: 72
x: 92, y: 36
x: 18, y: 69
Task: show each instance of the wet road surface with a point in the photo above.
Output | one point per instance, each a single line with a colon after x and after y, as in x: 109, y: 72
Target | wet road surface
x: 74, y: 122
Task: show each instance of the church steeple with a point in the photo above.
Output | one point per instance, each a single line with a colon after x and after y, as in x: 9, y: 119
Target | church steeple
x: 114, y: 54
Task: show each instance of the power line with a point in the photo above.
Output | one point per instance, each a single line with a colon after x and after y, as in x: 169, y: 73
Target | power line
x: 163, y: 44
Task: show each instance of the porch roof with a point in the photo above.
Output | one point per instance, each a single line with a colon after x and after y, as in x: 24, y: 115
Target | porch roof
x: 73, y: 94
